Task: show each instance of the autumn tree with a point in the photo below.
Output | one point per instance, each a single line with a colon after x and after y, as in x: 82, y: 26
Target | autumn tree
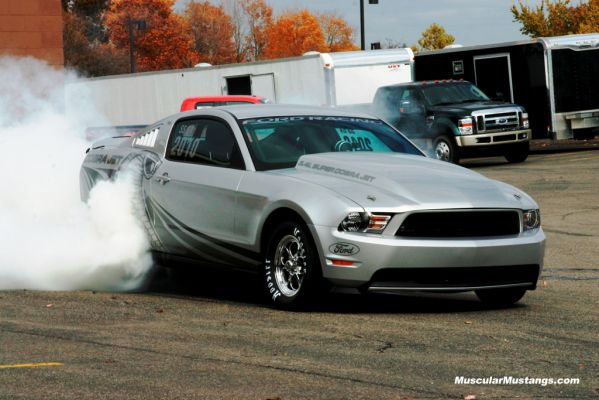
x: 555, y: 18
x: 90, y: 13
x: 259, y: 19
x: 90, y: 57
x: 165, y: 43
x: 435, y: 37
x: 589, y: 23
x: 293, y: 34
x: 212, y: 32
x: 86, y: 47
x: 234, y: 8
x: 338, y: 35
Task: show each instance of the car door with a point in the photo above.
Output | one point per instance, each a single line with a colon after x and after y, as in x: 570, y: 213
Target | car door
x: 412, y: 114
x: 194, y: 191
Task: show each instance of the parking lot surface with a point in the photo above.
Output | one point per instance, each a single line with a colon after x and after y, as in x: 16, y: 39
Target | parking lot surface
x: 210, y: 335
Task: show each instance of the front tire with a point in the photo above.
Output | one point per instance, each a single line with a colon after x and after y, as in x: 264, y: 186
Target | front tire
x: 292, y: 275
x: 445, y: 149
x: 518, y: 153
x: 500, y: 297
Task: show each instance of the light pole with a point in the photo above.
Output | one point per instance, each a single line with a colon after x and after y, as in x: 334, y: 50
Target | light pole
x: 140, y: 24
x: 362, y: 40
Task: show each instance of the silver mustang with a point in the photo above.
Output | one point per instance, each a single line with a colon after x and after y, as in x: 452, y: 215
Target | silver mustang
x: 311, y: 197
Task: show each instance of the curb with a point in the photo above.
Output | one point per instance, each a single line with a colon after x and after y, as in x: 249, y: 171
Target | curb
x: 560, y: 146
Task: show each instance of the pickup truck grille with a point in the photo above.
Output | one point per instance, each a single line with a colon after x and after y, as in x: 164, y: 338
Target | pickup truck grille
x: 452, y: 224
x: 506, y: 121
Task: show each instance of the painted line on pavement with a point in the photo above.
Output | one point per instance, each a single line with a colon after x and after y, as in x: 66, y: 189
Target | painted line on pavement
x: 32, y: 365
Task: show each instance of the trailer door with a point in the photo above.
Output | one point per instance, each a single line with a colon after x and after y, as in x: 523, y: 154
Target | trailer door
x: 264, y: 85
x: 493, y: 75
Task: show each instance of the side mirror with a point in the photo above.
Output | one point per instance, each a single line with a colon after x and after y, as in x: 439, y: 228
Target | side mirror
x: 498, y: 96
x: 411, y: 107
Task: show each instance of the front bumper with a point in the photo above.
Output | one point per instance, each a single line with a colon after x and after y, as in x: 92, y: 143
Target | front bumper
x: 494, y: 139
x: 494, y: 262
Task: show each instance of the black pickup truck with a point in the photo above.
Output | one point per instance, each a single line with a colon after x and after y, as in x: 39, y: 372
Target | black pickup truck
x: 456, y: 118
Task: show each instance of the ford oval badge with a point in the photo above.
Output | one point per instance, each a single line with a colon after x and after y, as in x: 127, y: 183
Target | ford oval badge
x: 344, y: 249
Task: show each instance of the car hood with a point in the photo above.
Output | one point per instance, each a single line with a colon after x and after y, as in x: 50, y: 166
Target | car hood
x: 468, y: 108
x: 405, y: 182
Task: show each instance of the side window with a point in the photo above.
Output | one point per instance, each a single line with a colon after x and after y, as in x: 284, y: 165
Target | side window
x: 204, y: 104
x: 204, y: 141
x: 410, y: 103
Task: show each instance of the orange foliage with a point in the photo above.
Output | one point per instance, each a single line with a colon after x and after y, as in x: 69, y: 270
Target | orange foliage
x: 212, y: 32
x: 165, y: 43
x: 557, y: 17
x: 338, y: 35
x: 293, y: 34
x: 259, y: 18
x: 89, y: 58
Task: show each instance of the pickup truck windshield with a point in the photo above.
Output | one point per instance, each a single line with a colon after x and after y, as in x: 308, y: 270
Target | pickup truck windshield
x: 452, y: 93
x: 278, y: 142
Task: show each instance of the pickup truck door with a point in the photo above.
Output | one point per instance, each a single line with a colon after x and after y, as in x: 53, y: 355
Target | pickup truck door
x: 412, y: 114
x: 193, y: 193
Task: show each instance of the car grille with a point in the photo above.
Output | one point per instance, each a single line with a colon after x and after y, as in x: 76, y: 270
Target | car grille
x: 456, y: 277
x: 451, y: 224
x: 498, y: 122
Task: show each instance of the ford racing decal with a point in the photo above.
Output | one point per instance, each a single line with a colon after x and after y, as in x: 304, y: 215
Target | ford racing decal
x: 312, y: 118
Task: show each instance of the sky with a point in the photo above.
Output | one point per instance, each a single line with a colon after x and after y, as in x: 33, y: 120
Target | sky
x: 471, y: 22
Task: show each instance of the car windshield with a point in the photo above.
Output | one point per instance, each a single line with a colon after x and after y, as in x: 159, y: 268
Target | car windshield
x: 452, y: 93
x: 278, y: 142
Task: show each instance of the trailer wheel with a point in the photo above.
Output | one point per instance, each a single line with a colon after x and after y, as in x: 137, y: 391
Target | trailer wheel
x: 445, y: 149
x: 518, y: 152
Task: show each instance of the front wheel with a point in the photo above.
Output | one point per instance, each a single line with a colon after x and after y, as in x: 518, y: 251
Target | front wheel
x: 445, y: 149
x: 518, y: 153
x: 500, y: 297
x: 291, y: 268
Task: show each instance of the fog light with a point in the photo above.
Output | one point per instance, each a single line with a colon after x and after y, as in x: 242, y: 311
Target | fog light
x: 531, y: 219
x: 341, y: 263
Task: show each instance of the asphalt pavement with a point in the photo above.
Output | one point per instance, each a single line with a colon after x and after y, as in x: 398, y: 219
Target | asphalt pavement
x: 212, y: 336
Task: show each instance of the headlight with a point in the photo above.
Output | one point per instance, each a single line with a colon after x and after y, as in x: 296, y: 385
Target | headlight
x: 531, y: 219
x: 354, y: 222
x: 364, y: 222
x: 465, y: 126
x: 525, y: 123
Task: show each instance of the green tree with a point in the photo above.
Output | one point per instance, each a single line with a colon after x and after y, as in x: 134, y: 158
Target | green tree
x: 435, y: 37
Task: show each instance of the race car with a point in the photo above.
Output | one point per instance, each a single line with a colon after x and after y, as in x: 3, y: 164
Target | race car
x: 311, y: 198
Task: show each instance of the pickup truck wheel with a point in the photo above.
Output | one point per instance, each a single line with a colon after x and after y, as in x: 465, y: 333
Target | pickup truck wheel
x: 445, y: 149
x: 518, y: 153
x: 292, y: 275
x: 500, y: 297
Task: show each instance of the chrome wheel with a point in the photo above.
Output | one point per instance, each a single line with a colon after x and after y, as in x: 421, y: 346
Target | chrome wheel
x: 290, y: 265
x: 443, y: 151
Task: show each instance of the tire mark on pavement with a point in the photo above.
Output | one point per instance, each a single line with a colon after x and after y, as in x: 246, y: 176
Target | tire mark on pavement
x: 567, y: 233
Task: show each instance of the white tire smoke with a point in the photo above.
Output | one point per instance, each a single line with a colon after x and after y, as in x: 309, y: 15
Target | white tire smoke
x: 49, y: 238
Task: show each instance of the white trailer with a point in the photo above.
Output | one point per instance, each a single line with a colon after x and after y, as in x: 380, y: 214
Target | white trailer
x: 332, y: 79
